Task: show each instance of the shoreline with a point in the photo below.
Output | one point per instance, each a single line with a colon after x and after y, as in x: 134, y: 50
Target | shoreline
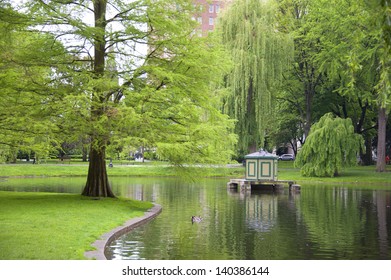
x: 105, y: 239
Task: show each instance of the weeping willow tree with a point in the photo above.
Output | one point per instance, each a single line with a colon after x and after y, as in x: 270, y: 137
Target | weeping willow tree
x: 260, y: 55
x: 330, y: 146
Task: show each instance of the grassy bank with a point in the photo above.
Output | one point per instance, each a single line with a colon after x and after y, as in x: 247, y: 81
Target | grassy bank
x: 286, y: 171
x: 351, y: 175
x: 63, y: 226
x: 58, y: 226
x: 147, y: 169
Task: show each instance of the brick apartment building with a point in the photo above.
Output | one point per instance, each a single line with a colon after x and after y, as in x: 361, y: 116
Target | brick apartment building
x: 209, y: 11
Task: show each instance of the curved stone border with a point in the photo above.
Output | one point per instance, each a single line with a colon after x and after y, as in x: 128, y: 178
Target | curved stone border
x: 100, y: 245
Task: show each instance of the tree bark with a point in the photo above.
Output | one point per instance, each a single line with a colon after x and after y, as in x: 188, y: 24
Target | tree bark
x: 308, y: 109
x: 97, y: 181
x: 381, y: 141
x: 97, y: 184
x: 366, y: 156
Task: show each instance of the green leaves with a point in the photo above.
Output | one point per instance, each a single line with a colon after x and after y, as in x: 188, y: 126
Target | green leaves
x: 152, y: 83
x: 28, y: 98
x: 260, y: 55
x: 330, y: 146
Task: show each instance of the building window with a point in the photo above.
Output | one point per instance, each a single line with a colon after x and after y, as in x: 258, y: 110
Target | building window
x: 211, y: 8
x: 211, y: 21
x: 217, y: 8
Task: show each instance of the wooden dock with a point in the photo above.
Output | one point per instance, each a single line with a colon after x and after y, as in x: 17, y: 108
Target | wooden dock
x: 243, y: 184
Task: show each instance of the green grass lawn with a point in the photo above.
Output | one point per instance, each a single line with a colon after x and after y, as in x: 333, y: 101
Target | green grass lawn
x: 48, y: 226
x: 146, y: 169
x: 351, y: 175
x: 286, y: 171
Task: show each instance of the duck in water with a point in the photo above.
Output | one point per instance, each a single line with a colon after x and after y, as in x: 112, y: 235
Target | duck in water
x: 195, y: 219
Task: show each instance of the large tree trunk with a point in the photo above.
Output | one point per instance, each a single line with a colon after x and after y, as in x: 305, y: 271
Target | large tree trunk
x: 97, y: 181
x: 366, y: 156
x: 308, y: 110
x: 381, y: 141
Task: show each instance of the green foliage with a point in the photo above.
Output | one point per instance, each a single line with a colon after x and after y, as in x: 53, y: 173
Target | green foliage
x: 354, y: 54
x: 121, y: 73
x: 330, y: 146
x: 260, y: 55
x: 357, y: 60
x: 26, y: 60
x: 301, y: 85
x: 288, y: 127
x: 151, y: 87
x: 341, y: 62
x: 180, y: 104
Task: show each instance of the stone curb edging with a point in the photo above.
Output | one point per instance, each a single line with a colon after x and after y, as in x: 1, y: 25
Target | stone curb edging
x: 100, y: 245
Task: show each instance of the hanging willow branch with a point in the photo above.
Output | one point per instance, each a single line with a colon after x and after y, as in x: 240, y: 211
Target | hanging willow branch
x: 260, y: 54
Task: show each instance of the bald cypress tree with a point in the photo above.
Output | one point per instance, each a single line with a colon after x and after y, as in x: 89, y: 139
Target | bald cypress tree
x: 138, y: 74
x: 260, y: 54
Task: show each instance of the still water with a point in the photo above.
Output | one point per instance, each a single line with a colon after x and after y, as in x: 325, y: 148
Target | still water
x: 321, y: 222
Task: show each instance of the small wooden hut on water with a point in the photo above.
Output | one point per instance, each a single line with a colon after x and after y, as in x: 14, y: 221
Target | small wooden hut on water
x: 261, y: 170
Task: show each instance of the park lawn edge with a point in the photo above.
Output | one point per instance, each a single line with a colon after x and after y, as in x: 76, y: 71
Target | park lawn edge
x: 43, y: 170
x: 55, y: 226
x: 286, y: 171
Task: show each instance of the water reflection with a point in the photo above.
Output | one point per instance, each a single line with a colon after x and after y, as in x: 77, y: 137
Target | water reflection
x: 130, y: 250
x: 320, y: 222
x: 261, y: 214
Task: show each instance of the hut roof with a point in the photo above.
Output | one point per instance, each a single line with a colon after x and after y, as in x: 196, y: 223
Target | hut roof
x: 261, y: 154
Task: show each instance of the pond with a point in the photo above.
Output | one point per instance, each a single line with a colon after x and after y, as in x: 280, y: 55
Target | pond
x: 321, y: 222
